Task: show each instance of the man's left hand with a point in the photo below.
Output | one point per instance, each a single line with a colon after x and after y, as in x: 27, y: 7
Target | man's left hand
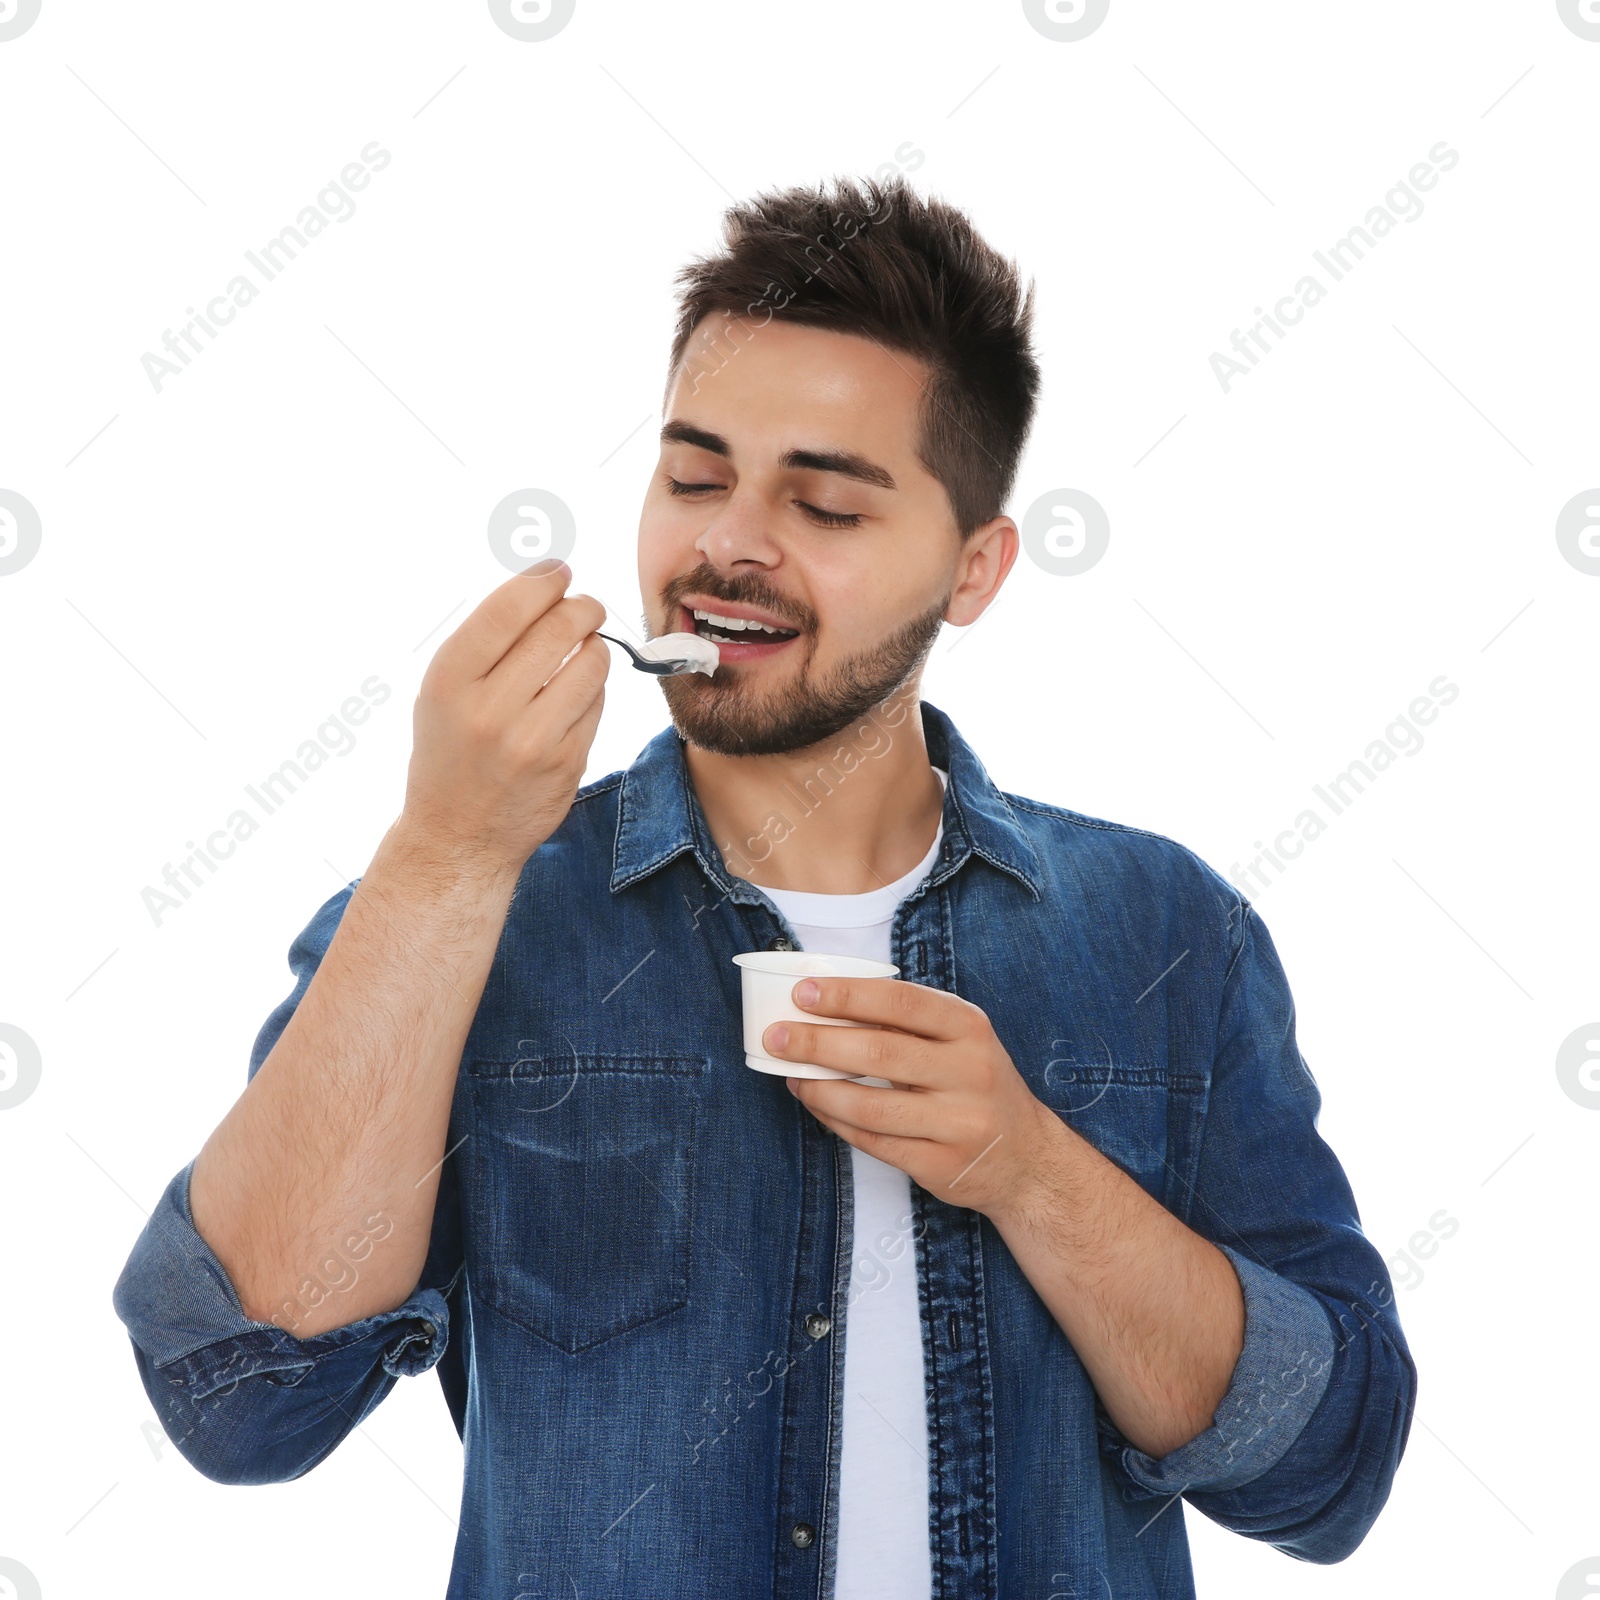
x: 958, y: 1118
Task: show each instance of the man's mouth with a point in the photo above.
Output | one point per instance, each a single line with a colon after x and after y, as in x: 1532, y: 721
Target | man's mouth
x: 737, y: 638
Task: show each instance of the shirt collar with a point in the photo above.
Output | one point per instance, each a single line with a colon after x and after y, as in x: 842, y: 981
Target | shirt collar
x: 659, y: 815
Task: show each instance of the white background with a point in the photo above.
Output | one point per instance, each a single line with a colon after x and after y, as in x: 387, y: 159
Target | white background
x: 223, y: 563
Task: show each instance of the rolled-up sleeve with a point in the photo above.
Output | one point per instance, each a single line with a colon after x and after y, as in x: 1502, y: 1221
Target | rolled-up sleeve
x: 246, y: 1401
x: 1302, y: 1450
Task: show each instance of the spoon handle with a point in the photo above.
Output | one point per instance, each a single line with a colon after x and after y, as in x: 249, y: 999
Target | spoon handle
x: 659, y: 669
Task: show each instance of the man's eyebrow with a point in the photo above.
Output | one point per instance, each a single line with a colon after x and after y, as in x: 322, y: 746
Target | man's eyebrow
x: 847, y: 463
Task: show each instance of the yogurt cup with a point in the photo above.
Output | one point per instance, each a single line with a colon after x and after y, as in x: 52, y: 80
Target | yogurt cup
x: 767, y: 980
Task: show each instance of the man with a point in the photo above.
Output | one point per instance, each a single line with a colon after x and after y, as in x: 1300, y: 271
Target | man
x: 966, y: 1328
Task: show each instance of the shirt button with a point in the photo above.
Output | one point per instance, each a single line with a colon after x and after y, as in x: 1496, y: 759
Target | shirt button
x: 429, y: 1330
x: 818, y: 1326
x: 803, y: 1534
x: 780, y: 943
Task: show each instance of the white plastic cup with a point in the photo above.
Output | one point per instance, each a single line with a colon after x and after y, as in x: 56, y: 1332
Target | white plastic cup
x: 767, y: 979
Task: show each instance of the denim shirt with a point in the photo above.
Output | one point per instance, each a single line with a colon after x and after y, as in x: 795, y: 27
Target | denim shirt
x: 636, y: 1290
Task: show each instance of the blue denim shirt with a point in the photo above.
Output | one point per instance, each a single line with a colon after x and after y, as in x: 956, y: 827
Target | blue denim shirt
x: 636, y: 1291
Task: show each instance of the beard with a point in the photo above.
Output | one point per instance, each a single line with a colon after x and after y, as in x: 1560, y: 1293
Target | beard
x: 729, y: 716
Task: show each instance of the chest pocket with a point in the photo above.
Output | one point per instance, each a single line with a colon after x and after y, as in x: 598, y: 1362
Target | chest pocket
x: 578, y: 1184
x: 1146, y: 1119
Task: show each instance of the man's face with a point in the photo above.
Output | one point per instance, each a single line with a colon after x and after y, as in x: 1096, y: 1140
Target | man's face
x: 789, y: 490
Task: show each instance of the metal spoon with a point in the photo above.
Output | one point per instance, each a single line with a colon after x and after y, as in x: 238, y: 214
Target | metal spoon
x: 659, y: 669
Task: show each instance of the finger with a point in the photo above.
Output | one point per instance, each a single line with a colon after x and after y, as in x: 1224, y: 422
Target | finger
x: 891, y: 1112
x: 541, y: 654
x: 898, y: 1152
x: 894, y: 1003
x: 571, y: 694
x: 567, y: 711
x: 496, y: 623
x: 862, y: 1052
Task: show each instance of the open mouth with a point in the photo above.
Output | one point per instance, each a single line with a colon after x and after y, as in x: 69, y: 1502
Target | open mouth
x: 736, y: 638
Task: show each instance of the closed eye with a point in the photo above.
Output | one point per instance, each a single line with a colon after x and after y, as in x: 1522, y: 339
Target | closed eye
x: 828, y: 519
x: 831, y: 519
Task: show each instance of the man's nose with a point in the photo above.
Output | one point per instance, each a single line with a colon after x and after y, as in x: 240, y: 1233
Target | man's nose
x: 740, y: 530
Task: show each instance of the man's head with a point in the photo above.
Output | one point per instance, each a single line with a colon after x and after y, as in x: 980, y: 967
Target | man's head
x: 850, y: 388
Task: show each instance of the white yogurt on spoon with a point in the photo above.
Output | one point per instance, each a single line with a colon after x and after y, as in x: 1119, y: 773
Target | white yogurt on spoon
x: 702, y: 653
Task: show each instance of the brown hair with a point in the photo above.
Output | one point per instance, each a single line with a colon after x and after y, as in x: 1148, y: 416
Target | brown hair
x: 880, y: 261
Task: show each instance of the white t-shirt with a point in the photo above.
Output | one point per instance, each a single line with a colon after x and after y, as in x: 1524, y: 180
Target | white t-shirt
x: 884, y: 1551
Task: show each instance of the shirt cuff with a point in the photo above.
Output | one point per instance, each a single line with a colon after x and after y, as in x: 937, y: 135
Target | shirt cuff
x: 180, y: 1308
x: 1282, y: 1371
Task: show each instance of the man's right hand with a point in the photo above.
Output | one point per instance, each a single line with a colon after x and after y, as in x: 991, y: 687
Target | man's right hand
x: 503, y: 722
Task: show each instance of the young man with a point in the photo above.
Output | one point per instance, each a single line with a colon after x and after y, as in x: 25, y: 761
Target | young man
x: 965, y: 1329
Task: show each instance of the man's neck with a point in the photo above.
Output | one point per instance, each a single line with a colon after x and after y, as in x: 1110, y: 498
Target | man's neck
x: 844, y: 817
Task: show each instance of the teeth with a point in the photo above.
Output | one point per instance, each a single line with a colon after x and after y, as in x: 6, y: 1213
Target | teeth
x: 735, y: 624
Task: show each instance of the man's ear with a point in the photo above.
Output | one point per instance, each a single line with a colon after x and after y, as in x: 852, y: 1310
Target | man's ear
x: 985, y: 559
